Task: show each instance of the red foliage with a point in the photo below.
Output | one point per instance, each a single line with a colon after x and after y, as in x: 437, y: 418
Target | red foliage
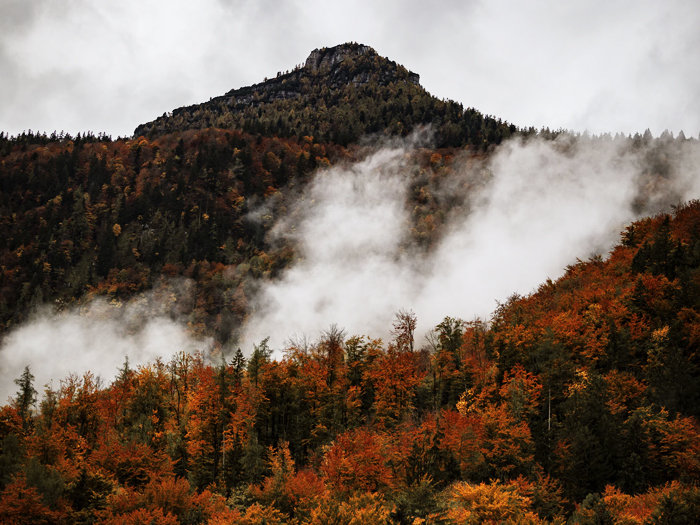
x: 20, y: 504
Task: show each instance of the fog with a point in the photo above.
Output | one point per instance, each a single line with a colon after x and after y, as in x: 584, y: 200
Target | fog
x: 97, y: 338
x: 521, y: 216
x: 530, y: 211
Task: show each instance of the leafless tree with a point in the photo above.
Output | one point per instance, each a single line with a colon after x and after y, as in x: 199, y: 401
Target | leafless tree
x: 403, y: 329
x: 331, y: 346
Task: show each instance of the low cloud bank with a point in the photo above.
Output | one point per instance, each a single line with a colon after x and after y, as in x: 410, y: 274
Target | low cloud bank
x: 96, y: 338
x: 539, y: 205
x: 518, y: 218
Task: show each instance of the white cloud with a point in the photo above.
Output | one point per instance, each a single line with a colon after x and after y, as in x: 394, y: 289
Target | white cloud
x: 528, y: 211
x: 544, y: 205
x: 96, y: 339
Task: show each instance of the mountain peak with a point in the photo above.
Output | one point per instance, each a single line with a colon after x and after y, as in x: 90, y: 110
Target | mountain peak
x: 326, y: 58
x: 338, y: 95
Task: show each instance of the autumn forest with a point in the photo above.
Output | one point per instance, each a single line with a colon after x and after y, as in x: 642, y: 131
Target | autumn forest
x: 577, y: 403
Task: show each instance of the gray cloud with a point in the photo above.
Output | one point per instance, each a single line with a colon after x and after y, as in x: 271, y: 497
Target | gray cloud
x: 18, y: 15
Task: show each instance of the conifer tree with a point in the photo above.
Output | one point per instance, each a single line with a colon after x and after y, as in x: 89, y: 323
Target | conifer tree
x: 26, y: 396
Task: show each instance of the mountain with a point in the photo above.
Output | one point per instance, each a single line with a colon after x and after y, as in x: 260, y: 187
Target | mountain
x: 578, y: 402
x: 339, y: 95
x: 85, y: 217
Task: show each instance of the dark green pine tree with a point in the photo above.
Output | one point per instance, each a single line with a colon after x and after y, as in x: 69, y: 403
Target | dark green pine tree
x: 677, y: 508
x: 593, y: 511
x: 261, y: 355
x: 238, y: 363
x: 11, y: 459
x: 26, y: 396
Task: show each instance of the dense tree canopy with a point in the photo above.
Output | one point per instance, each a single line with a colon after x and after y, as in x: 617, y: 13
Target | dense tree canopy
x: 580, y: 401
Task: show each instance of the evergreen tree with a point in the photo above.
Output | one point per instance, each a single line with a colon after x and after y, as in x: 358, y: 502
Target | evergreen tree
x: 239, y: 364
x: 26, y: 396
x: 261, y: 355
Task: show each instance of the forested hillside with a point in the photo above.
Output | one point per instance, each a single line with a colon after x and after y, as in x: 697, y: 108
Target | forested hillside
x: 577, y: 403
x: 581, y: 397
x: 85, y: 217
x: 89, y: 216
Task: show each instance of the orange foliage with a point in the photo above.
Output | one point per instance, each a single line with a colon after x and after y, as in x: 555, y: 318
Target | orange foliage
x: 356, y: 462
x: 206, y: 411
x: 680, y: 447
x: 133, y: 464
x: 473, y: 351
x: 241, y: 419
x: 507, y: 445
x: 638, y: 509
x: 256, y: 514
x: 520, y: 391
x: 357, y: 510
x: 624, y: 391
x: 395, y: 377
x: 165, y: 500
x: 10, y: 421
x: 463, y: 434
x: 140, y: 517
x: 284, y: 488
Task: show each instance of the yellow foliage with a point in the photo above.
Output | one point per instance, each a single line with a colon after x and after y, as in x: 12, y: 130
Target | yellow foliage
x: 256, y: 514
x: 489, y: 504
x: 364, y: 509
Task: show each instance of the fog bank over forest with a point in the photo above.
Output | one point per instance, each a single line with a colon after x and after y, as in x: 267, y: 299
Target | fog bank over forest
x: 524, y: 213
x: 529, y: 210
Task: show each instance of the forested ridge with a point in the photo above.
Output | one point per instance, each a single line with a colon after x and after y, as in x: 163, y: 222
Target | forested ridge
x: 577, y: 403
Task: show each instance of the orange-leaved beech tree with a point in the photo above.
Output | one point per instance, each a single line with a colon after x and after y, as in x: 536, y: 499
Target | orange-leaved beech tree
x: 208, y: 408
x: 292, y: 492
x: 22, y: 504
x: 394, y: 378
x: 356, y: 462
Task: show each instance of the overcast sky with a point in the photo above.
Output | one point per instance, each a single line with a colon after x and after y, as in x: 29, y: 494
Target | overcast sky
x: 600, y: 65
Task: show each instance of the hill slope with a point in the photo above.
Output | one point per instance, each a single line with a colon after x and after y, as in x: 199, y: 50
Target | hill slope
x: 579, y: 401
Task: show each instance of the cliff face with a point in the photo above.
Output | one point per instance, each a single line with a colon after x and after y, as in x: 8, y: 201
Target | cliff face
x: 328, y: 61
x: 325, y: 69
x: 326, y: 58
